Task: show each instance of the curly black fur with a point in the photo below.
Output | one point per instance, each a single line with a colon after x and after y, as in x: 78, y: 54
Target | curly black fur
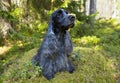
x: 53, y: 54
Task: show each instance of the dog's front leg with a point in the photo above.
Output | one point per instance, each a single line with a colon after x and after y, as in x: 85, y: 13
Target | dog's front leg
x: 50, y: 46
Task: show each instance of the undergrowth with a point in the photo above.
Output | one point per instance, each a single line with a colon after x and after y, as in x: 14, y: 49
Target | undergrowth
x: 96, y: 55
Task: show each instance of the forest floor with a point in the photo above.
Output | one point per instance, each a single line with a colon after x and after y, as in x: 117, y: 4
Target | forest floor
x: 96, y: 57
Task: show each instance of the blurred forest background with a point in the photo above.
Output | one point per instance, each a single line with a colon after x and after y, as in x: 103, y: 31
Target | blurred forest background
x: 96, y: 39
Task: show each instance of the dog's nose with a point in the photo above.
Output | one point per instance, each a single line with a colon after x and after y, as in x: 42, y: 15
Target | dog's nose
x: 71, y: 17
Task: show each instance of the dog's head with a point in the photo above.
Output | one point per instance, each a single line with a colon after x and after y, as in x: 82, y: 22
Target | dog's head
x: 62, y: 20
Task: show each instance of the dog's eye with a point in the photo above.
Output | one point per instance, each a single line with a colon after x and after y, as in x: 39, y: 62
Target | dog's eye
x: 59, y: 13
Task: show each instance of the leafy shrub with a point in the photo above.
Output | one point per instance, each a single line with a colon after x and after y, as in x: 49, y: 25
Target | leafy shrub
x: 87, y: 41
x: 27, y: 71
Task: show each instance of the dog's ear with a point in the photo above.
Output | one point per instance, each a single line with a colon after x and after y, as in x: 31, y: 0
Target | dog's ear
x: 54, y: 14
x: 50, y: 26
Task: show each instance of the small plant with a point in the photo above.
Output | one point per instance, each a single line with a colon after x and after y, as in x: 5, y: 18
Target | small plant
x: 27, y: 71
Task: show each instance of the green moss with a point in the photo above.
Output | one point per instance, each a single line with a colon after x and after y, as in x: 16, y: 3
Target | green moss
x: 96, y: 55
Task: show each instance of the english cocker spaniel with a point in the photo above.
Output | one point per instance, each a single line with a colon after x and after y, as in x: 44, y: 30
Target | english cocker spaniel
x: 53, y: 55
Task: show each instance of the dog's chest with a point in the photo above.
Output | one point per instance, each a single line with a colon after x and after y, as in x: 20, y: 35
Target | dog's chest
x: 61, y: 42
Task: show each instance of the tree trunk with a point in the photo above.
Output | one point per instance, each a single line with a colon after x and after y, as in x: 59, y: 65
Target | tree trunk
x: 84, y: 7
x: 92, y: 10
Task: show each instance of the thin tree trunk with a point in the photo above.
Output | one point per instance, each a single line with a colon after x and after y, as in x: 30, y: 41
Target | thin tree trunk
x: 92, y: 10
x: 84, y: 4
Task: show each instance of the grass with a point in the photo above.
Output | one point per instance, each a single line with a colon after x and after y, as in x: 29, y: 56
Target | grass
x: 96, y: 57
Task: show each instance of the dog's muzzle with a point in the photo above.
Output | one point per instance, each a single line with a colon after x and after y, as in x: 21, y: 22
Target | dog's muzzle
x: 71, y: 18
x: 72, y: 21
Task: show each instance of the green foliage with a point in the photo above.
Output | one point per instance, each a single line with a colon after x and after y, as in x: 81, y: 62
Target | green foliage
x: 82, y: 29
x: 7, y: 16
x: 43, y: 7
x: 87, y: 41
x: 20, y: 68
x: 96, y: 50
x: 26, y: 72
x: 16, y: 12
x: 95, y: 54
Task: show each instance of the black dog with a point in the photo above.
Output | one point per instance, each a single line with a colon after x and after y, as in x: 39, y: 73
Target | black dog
x: 57, y: 45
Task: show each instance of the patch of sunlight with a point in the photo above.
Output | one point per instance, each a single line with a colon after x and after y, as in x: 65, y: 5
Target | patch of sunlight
x: 111, y: 63
x: 87, y: 41
x: 43, y: 32
x: 90, y: 40
x: 4, y: 49
x: 118, y: 26
x: 105, y: 31
x: 20, y: 43
x: 115, y: 21
x: 27, y: 56
x: 81, y: 48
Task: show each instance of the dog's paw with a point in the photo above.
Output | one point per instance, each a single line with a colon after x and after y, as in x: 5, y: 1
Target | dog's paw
x: 71, y: 69
x: 49, y: 76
